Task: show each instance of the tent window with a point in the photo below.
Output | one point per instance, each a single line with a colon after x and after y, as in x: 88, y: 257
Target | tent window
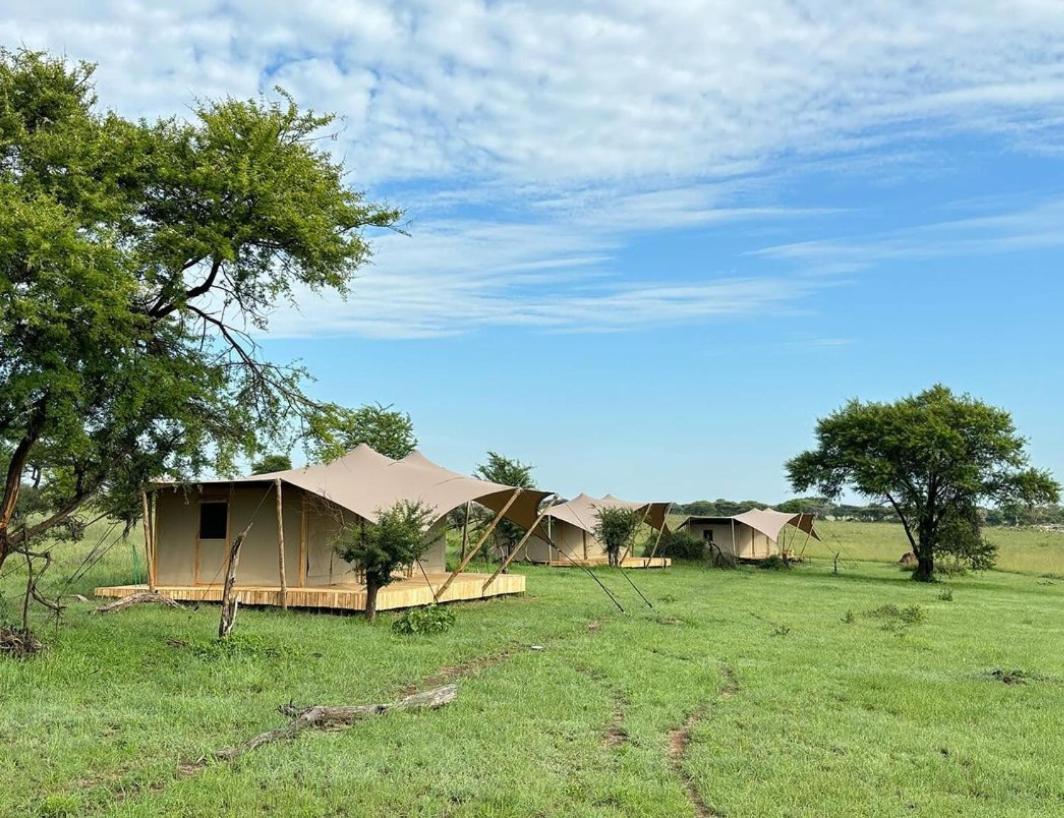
x: 213, y: 520
x: 707, y: 534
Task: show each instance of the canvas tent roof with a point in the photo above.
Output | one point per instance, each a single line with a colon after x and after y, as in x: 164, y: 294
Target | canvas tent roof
x: 367, y: 482
x: 582, y: 511
x: 766, y: 520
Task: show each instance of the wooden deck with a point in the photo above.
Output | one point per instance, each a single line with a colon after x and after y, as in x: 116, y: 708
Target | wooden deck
x: 405, y: 593
x: 629, y: 562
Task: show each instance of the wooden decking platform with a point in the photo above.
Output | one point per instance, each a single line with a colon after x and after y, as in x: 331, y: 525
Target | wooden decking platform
x: 404, y: 593
x: 629, y: 562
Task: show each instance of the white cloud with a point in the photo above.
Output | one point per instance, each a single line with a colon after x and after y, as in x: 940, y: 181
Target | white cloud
x: 582, y: 122
x: 1027, y: 228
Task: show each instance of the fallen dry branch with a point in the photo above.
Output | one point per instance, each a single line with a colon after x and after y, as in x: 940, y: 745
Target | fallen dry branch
x: 323, y: 717
x: 140, y: 597
x: 18, y: 643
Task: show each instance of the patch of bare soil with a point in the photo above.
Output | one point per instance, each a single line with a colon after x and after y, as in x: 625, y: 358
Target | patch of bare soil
x: 616, y: 734
x: 680, y: 738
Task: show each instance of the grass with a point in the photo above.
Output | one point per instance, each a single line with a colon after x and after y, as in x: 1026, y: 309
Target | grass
x: 753, y: 693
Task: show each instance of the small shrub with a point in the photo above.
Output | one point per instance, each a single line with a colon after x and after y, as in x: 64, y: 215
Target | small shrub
x: 781, y: 630
x: 946, y: 595
x: 678, y: 545
x: 59, y: 805
x: 911, y: 615
x: 774, y: 562
x: 427, y: 620
x: 236, y: 646
x: 849, y: 618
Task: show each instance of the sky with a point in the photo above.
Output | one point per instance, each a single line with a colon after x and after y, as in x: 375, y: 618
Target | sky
x: 648, y: 245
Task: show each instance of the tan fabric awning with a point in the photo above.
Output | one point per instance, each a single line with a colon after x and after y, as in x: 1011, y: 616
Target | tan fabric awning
x: 366, y: 482
x: 771, y: 522
x: 582, y: 511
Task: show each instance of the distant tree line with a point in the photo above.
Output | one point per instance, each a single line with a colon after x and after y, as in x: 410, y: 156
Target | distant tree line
x: 825, y: 509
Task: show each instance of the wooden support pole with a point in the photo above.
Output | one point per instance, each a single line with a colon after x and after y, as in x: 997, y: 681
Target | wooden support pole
x: 280, y: 548
x: 480, y: 544
x: 517, y: 548
x: 465, y: 531
x: 148, y: 550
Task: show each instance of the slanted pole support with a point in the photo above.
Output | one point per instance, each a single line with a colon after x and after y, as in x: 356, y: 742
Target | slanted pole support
x: 479, y: 544
x: 517, y: 548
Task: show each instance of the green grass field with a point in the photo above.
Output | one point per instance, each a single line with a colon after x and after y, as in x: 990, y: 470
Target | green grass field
x: 741, y: 693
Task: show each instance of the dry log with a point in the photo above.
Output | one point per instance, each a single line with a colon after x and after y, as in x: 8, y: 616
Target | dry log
x: 136, y: 599
x: 324, y: 717
x: 229, y: 600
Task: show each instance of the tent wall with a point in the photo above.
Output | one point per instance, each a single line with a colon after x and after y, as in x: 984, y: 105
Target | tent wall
x: 747, y: 544
x: 568, y: 538
x: 183, y: 558
x: 310, y: 529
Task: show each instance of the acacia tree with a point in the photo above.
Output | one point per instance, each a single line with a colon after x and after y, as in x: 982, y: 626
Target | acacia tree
x: 135, y: 257
x: 509, y: 472
x: 932, y: 456
x: 395, y: 540
x: 614, y: 528
x: 271, y: 463
x: 334, y: 430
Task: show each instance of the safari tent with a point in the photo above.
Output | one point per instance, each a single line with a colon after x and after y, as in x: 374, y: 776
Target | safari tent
x: 292, y: 518
x: 752, y: 535
x: 570, y: 529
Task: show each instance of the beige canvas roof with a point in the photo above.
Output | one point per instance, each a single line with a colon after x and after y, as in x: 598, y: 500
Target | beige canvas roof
x: 582, y: 511
x: 366, y: 482
x: 770, y: 522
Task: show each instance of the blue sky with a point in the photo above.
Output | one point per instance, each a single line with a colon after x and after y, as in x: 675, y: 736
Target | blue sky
x: 649, y: 247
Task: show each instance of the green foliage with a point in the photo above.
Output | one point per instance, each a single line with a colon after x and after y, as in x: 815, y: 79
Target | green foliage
x: 774, y: 562
x: 962, y: 542
x: 946, y: 595
x: 333, y: 431
x: 678, y: 544
x: 930, y: 455
x: 614, y: 528
x: 395, y: 540
x: 910, y: 615
x: 237, y: 645
x: 509, y: 472
x: 271, y: 463
x: 133, y: 257
x: 423, y: 621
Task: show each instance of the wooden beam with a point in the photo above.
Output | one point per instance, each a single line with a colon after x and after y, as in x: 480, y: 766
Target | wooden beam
x: 303, y: 540
x: 146, y: 510
x: 465, y: 531
x: 480, y: 544
x: 280, y: 548
x: 517, y: 548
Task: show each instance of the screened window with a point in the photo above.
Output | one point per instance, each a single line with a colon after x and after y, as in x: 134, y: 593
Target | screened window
x: 707, y: 534
x: 213, y: 520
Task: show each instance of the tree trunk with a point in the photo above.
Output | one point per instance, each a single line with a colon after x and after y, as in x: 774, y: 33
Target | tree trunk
x: 229, y: 600
x: 925, y: 565
x: 372, y: 587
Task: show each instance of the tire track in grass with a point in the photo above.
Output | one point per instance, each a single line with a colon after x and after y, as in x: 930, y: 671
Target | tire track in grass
x: 680, y: 739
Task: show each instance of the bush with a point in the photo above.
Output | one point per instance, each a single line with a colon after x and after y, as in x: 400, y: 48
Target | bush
x: 774, y: 562
x: 946, y: 595
x: 678, y: 545
x: 427, y: 620
x: 235, y: 646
